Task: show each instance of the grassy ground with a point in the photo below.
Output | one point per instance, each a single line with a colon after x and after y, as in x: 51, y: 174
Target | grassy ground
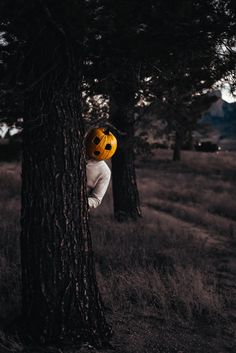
x: 159, y: 277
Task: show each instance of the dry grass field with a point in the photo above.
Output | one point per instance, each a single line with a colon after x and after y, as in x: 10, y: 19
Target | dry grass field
x: 168, y: 280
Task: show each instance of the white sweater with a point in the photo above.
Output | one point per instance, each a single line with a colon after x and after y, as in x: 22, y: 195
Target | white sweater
x: 98, y: 178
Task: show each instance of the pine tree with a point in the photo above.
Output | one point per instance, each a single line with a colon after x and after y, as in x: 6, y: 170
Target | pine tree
x: 61, y: 300
x: 188, y: 64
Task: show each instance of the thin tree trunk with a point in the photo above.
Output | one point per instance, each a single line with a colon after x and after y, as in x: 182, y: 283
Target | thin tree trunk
x: 61, y: 300
x: 177, y: 146
x: 189, y: 140
x: 125, y: 191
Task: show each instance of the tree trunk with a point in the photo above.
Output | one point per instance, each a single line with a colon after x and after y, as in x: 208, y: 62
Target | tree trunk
x: 189, y: 140
x: 177, y: 146
x: 61, y: 300
x: 125, y: 191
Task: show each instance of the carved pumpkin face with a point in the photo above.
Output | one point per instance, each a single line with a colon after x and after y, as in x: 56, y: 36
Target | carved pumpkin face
x: 100, y: 144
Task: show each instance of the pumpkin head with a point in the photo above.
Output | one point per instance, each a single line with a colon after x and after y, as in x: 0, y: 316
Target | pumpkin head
x: 100, y: 144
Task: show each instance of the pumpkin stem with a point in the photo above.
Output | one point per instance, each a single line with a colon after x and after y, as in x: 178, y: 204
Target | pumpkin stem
x: 107, y: 131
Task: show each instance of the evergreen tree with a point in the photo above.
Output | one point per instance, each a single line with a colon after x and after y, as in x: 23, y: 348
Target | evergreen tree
x: 189, y: 64
x: 61, y: 300
x: 112, y: 71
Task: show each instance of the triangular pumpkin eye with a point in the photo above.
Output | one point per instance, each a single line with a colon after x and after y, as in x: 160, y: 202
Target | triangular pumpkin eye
x: 96, y: 140
x: 96, y: 153
x: 108, y: 146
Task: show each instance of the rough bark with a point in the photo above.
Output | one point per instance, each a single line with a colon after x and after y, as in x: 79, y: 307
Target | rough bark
x: 61, y: 300
x: 125, y: 192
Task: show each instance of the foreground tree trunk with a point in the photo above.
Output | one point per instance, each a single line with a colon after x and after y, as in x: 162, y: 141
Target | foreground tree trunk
x: 125, y: 191
x: 61, y: 301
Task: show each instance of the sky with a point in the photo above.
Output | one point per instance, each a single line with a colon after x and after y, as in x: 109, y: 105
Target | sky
x: 226, y: 95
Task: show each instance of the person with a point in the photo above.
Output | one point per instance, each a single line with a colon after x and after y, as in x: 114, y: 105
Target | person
x: 100, y: 145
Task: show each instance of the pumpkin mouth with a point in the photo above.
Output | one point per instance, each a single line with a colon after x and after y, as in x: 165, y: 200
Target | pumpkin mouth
x: 108, y: 147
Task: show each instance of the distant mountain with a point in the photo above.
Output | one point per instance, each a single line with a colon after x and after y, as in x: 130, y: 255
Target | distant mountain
x: 221, y: 122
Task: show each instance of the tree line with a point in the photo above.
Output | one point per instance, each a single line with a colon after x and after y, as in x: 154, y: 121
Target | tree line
x: 54, y: 55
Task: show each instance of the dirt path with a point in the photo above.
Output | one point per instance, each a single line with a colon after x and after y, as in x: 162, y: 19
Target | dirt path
x: 197, y: 231
x: 196, y: 216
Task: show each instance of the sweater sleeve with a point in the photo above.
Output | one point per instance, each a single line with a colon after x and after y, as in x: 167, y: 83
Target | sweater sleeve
x: 97, y: 194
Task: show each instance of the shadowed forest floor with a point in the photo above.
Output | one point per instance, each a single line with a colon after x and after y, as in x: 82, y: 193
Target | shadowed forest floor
x: 168, y: 280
